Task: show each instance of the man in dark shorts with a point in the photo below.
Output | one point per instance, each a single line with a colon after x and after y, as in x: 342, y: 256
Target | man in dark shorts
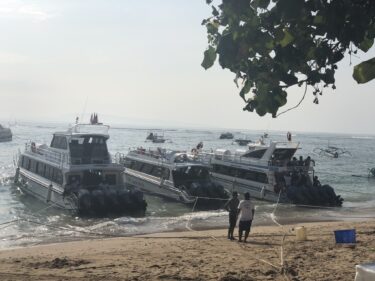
x: 231, y: 206
x: 246, y: 211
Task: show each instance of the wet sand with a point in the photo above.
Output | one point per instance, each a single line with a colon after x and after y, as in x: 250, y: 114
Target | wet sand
x: 198, y: 255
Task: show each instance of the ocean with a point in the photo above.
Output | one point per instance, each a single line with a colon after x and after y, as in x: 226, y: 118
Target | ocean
x: 27, y: 221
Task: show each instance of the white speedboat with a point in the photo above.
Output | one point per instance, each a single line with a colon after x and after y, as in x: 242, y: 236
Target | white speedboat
x: 174, y: 175
x: 5, y: 134
x: 270, y: 172
x: 76, y: 173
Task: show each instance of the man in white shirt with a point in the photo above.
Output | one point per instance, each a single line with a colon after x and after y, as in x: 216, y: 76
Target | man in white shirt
x: 246, y: 210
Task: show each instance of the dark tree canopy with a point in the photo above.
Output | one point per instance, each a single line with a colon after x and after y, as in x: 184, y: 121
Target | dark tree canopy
x: 273, y: 45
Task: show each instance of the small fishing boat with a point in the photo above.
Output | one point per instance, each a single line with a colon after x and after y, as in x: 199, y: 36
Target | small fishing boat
x: 331, y: 151
x: 5, y: 134
x: 270, y: 172
x: 76, y: 173
x: 173, y: 175
x: 155, y: 138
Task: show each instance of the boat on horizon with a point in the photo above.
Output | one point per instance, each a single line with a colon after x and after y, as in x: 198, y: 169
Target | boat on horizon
x: 270, y: 172
x: 226, y: 136
x: 172, y: 174
x: 5, y: 134
x: 76, y: 173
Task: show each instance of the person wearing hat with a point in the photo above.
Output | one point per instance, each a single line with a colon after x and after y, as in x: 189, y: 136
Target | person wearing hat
x: 246, y: 210
x: 231, y: 206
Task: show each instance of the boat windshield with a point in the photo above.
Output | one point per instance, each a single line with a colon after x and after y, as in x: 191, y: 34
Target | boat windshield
x: 189, y: 174
x: 88, y: 150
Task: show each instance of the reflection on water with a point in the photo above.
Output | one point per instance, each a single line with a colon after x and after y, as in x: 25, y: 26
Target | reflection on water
x: 35, y: 222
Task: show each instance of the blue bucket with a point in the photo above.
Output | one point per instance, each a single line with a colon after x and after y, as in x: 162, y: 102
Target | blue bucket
x: 345, y: 236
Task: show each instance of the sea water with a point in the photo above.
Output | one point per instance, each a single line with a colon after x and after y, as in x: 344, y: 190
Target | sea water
x: 27, y: 221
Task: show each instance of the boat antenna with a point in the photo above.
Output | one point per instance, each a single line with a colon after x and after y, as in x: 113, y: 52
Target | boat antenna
x: 84, y: 108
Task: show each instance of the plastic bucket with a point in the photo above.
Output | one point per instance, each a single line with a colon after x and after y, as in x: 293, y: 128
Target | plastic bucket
x: 345, y: 236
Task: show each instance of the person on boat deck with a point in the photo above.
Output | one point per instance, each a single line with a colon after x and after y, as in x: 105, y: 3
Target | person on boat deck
x: 289, y: 136
x: 307, y: 161
x: 231, y: 206
x: 246, y: 211
x: 316, y: 182
x: 301, y: 161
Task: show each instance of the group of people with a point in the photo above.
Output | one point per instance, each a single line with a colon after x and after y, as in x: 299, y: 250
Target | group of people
x: 244, y: 212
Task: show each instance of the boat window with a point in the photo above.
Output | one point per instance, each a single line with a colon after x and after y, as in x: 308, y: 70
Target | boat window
x: 28, y: 164
x: 283, y: 154
x: 74, y: 179
x: 165, y: 173
x: 156, y: 171
x: 40, y: 169
x: 147, y: 168
x: 241, y: 173
x: 59, y: 142
x: 137, y: 166
x: 255, y: 154
x: 187, y: 175
x: 110, y: 179
x: 56, y: 175
x: 89, y: 149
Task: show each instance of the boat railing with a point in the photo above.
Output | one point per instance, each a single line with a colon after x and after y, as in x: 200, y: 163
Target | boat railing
x: 57, y: 157
x: 89, y: 129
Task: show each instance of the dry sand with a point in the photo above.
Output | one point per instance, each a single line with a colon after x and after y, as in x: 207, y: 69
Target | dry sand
x: 197, y: 255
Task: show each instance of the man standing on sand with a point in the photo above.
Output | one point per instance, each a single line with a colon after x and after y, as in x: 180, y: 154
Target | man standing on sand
x: 231, y: 206
x: 246, y: 211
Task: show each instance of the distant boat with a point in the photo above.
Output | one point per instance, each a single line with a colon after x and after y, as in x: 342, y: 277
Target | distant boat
x: 155, y: 138
x: 242, y: 142
x: 5, y: 134
x: 226, y: 136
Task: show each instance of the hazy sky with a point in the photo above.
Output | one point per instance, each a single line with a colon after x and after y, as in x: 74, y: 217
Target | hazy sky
x: 138, y: 63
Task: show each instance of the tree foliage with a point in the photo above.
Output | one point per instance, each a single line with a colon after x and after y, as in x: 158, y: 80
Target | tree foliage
x: 273, y: 45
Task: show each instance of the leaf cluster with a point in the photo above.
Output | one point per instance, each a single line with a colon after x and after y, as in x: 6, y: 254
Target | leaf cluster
x: 273, y: 45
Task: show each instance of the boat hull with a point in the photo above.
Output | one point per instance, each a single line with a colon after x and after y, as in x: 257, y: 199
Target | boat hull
x: 166, y: 190
x: 97, y: 202
x: 257, y: 191
x: 45, y: 191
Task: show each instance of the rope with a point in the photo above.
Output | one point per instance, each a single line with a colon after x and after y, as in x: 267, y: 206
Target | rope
x: 192, y: 210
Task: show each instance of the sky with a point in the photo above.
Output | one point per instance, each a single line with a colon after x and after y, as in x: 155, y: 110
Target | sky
x: 137, y: 63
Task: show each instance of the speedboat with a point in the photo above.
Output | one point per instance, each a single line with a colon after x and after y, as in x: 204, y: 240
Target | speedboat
x: 76, y: 173
x: 173, y: 175
x: 270, y: 172
x: 5, y: 134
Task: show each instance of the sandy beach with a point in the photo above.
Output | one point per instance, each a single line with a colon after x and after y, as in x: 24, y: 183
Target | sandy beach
x: 198, y: 255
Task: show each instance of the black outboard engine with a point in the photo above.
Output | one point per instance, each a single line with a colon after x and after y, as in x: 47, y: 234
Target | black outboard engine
x: 210, y: 195
x: 321, y: 196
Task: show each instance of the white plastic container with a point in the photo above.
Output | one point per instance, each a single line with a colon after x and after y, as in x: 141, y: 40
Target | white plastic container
x: 301, y: 234
x: 365, y: 272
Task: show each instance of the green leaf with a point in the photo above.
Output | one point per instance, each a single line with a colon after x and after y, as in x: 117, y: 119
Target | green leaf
x: 209, y: 57
x: 245, y: 89
x: 366, y: 44
x: 365, y: 71
x: 288, y: 38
